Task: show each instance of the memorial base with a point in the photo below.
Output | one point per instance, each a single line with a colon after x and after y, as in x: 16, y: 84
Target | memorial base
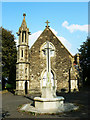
x: 48, y: 103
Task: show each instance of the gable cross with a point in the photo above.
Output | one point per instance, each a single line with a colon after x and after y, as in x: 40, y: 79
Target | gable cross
x: 47, y: 23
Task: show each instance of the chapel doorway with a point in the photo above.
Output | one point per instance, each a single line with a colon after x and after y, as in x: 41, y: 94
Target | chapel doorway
x: 26, y: 87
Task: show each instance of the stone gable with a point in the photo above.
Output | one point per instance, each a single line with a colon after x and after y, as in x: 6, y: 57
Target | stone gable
x: 60, y: 63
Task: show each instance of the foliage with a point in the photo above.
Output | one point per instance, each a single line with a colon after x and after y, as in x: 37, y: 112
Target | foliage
x: 85, y: 60
x: 8, y: 86
x: 8, y: 57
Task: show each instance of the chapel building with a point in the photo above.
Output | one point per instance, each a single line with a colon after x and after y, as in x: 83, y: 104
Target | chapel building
x: 31, y: 74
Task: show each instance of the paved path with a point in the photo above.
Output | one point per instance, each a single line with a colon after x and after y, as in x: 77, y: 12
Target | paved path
x: 11, y: 103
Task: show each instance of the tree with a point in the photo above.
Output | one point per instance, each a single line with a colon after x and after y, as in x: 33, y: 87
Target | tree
x: 9, y: 57
x: 85, y: 61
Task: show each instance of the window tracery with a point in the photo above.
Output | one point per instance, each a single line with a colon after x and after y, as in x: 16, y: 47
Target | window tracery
x: 43, y: 49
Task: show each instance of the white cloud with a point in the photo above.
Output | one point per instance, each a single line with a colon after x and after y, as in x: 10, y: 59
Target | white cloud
x: 75, y: 27
x: 62, y: 39
x: 55, y: 32
x: 65, y: 42
x: 33, y: 37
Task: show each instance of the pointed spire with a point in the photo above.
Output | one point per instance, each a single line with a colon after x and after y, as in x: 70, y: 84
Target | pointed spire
x: 24, y: 25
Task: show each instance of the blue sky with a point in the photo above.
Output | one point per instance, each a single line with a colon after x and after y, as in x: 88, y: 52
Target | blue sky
x: 68, y: 20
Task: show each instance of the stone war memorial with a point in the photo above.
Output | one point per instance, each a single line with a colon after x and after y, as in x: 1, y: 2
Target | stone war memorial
x: 46, y: 63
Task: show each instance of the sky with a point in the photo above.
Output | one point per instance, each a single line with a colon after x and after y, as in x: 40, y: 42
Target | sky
x: 68, y: 20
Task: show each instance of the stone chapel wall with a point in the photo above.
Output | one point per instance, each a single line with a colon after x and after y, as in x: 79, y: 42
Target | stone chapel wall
x: 60, y: 63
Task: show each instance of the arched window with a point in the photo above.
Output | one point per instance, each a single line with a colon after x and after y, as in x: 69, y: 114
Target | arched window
x: 43, y: 49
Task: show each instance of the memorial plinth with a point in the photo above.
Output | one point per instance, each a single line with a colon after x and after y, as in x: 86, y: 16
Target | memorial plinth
x: 48, y: 103
x: 48, y: 100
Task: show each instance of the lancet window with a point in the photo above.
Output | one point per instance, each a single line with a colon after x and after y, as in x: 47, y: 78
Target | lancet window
x: 24, y: 36
x: 22, y: 53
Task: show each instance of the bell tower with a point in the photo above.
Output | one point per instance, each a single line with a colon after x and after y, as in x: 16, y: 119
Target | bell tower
x: 23, y: 64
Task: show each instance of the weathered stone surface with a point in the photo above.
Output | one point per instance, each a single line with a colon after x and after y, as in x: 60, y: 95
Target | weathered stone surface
x: 48, y: 103
x: 60, y: 63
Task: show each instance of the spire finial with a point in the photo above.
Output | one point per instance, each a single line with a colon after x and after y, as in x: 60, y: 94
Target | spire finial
x: 24, y: 15
x: 47, y: 23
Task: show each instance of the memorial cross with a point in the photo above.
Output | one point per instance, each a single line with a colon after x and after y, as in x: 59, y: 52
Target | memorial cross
x: 48, y: 62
